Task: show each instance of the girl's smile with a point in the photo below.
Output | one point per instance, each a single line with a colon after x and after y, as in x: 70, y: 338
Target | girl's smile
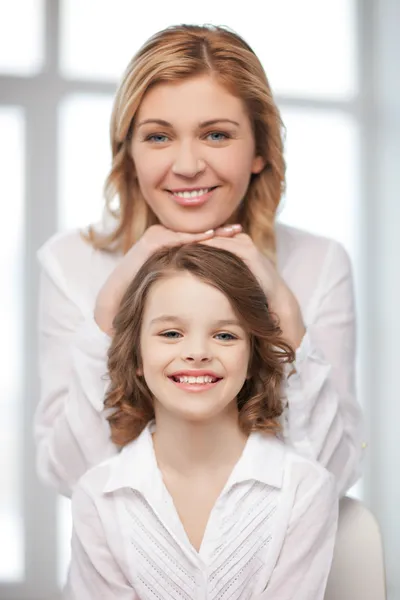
x: 195, y: 380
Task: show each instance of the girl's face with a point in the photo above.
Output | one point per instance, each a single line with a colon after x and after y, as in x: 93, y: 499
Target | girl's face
x: 194, y: 153
x: 195, y: 352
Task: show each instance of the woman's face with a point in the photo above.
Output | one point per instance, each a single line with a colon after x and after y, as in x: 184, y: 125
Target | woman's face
x: 194, y: 153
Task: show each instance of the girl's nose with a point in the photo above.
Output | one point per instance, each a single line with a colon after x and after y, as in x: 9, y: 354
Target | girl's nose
x: 196, y: 352
x: 197, y: 358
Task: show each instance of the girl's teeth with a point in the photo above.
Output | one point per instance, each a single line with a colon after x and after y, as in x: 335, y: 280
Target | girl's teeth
x: 203, y: 379
x: 192, y: 194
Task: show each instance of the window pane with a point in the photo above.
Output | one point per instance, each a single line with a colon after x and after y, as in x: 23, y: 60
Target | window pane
x: 64, y: 531
x: 11, y: 276
x: 21, y: 36
x: 322, y: 174
x: 307, y: 47
x: 84, y: 158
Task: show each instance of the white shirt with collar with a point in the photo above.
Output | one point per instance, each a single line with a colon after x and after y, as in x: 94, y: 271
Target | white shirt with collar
x: 270, y: 535
x: 323, y: 420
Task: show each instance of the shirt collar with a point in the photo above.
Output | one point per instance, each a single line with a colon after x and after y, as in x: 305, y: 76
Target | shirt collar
x: 262, y: 459
x: 135, y: 466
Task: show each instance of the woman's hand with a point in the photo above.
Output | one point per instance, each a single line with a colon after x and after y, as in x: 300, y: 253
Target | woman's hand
x: 281, y: 299
x: 155, y: 237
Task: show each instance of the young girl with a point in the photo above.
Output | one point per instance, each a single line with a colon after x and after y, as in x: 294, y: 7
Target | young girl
x: 203, y: 501
x: 197, y: 156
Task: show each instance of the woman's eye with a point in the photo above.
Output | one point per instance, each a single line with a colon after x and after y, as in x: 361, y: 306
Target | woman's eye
x: 218, y: 136
x: 225, y: 337
x: 157, y: 138
x: 172, y: 335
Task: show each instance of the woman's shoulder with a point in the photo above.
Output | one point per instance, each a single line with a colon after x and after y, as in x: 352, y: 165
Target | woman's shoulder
x: 70, y: 260
x: 310, y: 264
x: 66, y: 247
x: 298, y: 244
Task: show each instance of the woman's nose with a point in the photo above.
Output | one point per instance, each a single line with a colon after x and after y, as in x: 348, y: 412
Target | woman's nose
x: 187, y: 161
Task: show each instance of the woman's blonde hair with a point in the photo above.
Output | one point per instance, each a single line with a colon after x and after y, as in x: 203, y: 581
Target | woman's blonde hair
x: 174, y: 54
x: 260, y: 399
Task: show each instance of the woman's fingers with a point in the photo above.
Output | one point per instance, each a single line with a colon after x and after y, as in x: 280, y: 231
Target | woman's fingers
x: 195, y: 237
x: 228, y: 230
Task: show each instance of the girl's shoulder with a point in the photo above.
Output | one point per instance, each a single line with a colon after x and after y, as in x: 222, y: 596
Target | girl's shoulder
x: 305, y: 473
x: 279, y: 464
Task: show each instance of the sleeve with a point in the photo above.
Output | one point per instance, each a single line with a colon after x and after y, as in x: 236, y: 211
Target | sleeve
x: 70, y: 430
x: 323, y: 420
x: 93, y: 572
x: 304, y: 563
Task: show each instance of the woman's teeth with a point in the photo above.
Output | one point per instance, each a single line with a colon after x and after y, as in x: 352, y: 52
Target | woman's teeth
x: 203, y: 379
x: 192, y: 194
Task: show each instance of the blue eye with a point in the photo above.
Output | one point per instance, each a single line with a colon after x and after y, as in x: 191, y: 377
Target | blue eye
x: 225, y: 337
x: 171, y: 335
x: 218, y: 136
x: 157, y: 138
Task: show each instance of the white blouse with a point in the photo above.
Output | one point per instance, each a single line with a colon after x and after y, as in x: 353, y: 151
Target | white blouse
x: 323, y: 420
x: 270, y: 534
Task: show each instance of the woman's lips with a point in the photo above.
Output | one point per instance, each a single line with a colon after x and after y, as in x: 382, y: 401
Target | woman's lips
x: 193, y: 201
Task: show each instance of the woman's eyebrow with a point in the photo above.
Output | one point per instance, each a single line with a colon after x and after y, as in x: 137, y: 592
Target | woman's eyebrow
x: 203, y: 124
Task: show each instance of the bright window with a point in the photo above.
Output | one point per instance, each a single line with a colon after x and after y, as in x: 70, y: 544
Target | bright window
x: 11, y: 349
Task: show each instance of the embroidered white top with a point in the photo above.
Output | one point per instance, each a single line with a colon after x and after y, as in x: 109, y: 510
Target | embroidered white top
x: 323, y: 419
x: 270, y: 534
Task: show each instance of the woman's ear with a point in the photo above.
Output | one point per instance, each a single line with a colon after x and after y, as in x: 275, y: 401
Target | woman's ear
x: 139, y: 372
x: 258, y: 164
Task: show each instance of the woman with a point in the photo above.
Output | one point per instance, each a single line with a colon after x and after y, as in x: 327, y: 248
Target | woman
x: 197, y: 156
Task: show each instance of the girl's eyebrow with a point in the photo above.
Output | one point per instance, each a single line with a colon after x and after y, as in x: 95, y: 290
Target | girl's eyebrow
x: 165, y: 319
x: 203, y: 124
x: 175, y: 319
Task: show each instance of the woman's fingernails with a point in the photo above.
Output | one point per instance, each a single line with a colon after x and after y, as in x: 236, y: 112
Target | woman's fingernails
x: 209, y: 232
x: 233, y: 228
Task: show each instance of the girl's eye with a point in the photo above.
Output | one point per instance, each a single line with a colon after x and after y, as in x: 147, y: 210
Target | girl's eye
x: 218, y: 136
x: 171, y: 335
x: 157, y: 138
x: 225, y: 337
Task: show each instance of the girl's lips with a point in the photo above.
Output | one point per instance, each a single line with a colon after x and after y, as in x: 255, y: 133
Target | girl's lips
x: 194, y: 201
x: 194, y: 387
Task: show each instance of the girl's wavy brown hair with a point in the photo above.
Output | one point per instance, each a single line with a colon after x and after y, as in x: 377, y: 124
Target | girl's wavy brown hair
x: 259, y: 401
x: 175, y: 54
